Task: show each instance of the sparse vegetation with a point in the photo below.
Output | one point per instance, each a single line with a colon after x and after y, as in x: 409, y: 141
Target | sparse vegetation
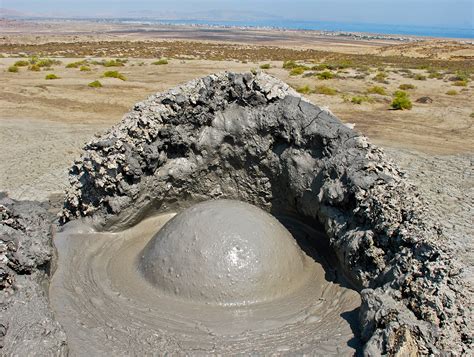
x: 377, y: 90
x: 298, y: 70
x: 51, y: 76
x: 113, y: 63
x: 34, y: 68
x: 76, y: 64
x: 265, y: 66
x: 461, y: 76
x: 219, y: 51
x: 359, y: 99
x: 435, y: 75
x: 452, y: 92
x: 95, y: 84
x: 341, y: 64
x: 21, y: 63
x: 320, y: 67
x: 160, y: 62
x: 114, y: 74
x: 406, y: 86
x: 325, y: 90
x: 13, y: 69
x: 472, y: 115
x: 304, y: 89
x: 401, y: 101
x: 289, y: 64
x: 461, y: 83
x: 420, y: 77
x: 381, y: 77
x: 85, y: 69
x: 45, y: 62
x: 325, y: 75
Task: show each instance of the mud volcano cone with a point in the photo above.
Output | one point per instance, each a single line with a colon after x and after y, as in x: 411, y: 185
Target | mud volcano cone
x: 361, y: 228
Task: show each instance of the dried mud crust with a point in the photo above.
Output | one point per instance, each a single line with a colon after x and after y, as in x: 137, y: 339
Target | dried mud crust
x: 252, y: 138
x: 27, y: 324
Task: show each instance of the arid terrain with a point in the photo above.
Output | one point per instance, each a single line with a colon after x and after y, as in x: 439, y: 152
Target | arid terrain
x: 45, y: 122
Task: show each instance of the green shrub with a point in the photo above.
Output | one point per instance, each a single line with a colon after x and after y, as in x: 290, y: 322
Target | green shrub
x: 380, y: 77
x: 325, y: 90
x: 420, y: 77
x: 84, y: 68
x: 304, y: 89
x: 462, y: 83
x: 471, y: 115
x: 95, y: 84
x: 406, y: 86
x: 289, y: 64
x: 51, y: 76
x: 113, y: 63
x: 114, y: 74
x: 342, y: 64
x: 376, y: 90
x: 76, y: 64
x: 435, y: 75
x: 401, y: 101
x: 298, y: 70
x: 325, y: 75
x: 461, y: 76
x: 359, y: 99
x: 161, y: 62
x: 452, y: 92
x: 46, y: 62
x: 320, y: 67
x: 21, y: 63
x: 34, y: 68
x: 265, y: 66
x: 13, y: 69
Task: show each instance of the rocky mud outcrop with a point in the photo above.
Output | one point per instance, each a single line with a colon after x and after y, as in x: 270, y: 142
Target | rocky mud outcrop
x: 27, y: 325
x: 252, y: 138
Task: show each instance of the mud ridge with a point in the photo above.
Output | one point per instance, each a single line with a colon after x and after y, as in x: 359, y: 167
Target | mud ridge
x: 27, y: 324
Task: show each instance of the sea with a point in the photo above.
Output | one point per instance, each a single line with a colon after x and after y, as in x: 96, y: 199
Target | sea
x: 404, y: 30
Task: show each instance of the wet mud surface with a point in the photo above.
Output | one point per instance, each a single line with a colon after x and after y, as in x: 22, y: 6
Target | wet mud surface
x: 106, y: 306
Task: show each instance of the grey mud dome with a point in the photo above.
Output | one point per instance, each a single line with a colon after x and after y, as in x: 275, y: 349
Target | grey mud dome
x: 250, y: 137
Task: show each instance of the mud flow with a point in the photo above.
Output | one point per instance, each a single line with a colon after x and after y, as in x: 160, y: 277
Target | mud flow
x: 219, y: 277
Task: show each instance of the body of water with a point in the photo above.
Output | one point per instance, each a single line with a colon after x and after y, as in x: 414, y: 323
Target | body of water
x: 404, y: 30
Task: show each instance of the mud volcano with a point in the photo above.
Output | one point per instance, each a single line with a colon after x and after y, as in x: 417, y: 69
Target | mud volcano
x: 224, y: 252
x: 345, y: 257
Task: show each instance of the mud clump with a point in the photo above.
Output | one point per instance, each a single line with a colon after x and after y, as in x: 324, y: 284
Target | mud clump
x: 250, y: 137
x: 27, y: 325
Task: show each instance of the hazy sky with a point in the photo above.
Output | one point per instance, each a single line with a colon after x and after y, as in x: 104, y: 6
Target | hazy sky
x: 452, y: 13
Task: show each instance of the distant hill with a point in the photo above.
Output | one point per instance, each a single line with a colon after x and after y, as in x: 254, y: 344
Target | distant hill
x: 12, y: 13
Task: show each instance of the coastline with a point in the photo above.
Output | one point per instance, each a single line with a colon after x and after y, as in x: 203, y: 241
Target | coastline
x: 368, y: 35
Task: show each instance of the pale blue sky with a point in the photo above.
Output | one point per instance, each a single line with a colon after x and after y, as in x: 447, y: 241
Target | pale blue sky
x: 449, y: 13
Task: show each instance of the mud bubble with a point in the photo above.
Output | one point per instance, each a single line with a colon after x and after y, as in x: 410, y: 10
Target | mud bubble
x: 221, y: 276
